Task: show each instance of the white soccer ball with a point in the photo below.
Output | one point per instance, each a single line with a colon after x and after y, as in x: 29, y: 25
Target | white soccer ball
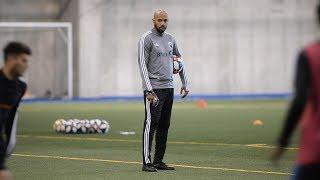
x: 68, y: 129
x: 57, y: 124
x: 98, y: 122
x: 91, y: 130
x: 92, y: 122
x: 68, y: 123
x: 177, y: 65
x: 78, y: 127
x: 83, y: 129
x: 99, y: 131
x: 87, y: 124
x: 68, y: 126
x: 62, y: 127
x: 104, y: 127
x: 58, y: 128
x: 63, y: 121
x: 104, y: 122
x: 74, y: 130
x: 93, y: 125
x: 73, y: 126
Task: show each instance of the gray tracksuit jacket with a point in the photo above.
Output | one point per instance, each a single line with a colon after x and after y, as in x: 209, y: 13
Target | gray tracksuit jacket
x: 155, y: 51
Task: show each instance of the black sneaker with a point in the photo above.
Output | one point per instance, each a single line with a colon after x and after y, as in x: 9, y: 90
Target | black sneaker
x: 149, y: 168
x: 163, y: 166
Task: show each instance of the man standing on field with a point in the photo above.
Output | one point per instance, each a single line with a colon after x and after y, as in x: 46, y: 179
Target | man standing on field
x: 157, y: 51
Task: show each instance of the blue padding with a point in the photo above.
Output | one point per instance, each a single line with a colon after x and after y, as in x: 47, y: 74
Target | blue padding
x: 177, y: 97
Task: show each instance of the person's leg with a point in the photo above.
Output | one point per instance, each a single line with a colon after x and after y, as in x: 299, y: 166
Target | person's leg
x: 295, y: 173
x: 152, y: 116
x: 309, y: 172
x: 4, y: 173
x: 10, y: 130
x: 163, y: 127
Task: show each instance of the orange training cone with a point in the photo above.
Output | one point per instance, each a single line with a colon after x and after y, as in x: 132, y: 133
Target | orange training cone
x: 257, y: 122
x: 202, y: 104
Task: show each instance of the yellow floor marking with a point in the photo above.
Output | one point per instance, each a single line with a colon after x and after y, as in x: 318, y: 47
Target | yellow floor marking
x: 138, y: 163
x: 267, y: 147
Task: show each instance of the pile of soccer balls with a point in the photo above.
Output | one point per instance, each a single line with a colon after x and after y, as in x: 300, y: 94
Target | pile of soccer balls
x: 76, y: 126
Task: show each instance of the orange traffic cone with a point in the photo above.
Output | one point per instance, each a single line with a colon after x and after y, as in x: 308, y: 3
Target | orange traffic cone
x: 202, y: 104
x: 257, y: 122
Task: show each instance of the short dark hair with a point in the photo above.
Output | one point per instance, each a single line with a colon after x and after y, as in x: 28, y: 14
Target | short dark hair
x: 15, y: 48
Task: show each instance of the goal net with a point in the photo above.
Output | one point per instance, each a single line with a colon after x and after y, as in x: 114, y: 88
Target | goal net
x: 49, y: 75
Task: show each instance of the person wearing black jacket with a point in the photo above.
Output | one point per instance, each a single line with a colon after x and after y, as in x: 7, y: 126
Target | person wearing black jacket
x: 12, y: 89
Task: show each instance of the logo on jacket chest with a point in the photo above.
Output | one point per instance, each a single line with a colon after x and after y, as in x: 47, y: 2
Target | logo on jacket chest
x: 156, y: 45
x: 164, y: 54
x: 170, y: 45
x: 164, y: 51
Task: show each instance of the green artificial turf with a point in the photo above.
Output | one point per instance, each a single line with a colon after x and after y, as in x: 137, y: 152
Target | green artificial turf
x: 218, y: 142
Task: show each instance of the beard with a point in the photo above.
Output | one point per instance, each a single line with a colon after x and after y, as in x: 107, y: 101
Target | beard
x: 15, y: 72
x: 161, y: 29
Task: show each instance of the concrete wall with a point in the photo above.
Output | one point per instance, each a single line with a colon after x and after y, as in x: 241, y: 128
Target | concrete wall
x: 31, y: 10
x: 230, y: 46
x: 71, y: 14
x: 48, y: 64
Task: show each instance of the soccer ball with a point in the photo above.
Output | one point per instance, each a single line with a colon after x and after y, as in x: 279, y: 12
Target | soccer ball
x: 104, y: 127
x: 68, y: 126
x: 92, y: 122
x: 177, y: 65
x: 98, y: 122
x: 91, y: 130
x: 61, y: 127
x: 87, y: 124
x: 76, y: 126
x: 58, y: 125
x: 83, y: 128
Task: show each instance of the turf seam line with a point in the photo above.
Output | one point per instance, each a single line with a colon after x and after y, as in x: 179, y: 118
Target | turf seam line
x: 134, y: 162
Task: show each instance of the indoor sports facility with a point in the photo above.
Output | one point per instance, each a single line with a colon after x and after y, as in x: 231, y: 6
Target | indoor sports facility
x: 82, y: 116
